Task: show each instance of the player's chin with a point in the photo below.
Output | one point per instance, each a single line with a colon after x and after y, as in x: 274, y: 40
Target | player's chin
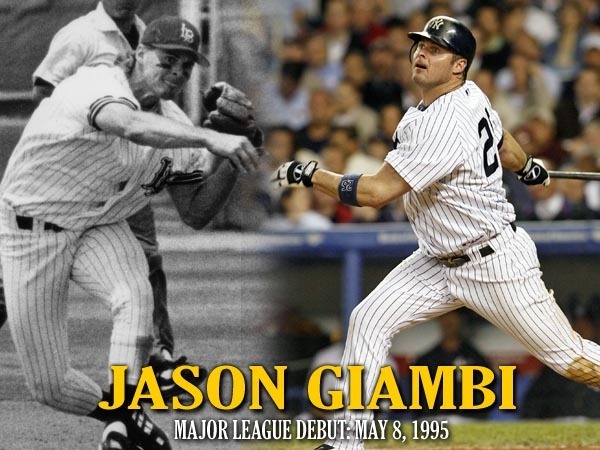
x: 417, y: 75
x: 170, y: 92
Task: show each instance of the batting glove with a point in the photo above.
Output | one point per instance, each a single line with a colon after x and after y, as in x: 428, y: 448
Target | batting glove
x: 294, y: 172
x: 533, y: 172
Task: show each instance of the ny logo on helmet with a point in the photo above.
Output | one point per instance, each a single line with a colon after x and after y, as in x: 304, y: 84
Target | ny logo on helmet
x: 186, y: 34
x: 437, y: 23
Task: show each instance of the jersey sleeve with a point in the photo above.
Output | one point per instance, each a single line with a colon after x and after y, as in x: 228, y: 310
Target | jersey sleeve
x: 426, y: 151
x: 84, y: 95
x: 185, y: 160
x: 68, y: 51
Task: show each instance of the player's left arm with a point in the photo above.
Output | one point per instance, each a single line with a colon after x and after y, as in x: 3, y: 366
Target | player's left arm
x: 529, y: 170
x: 197, y: 203
x: 375, y: 190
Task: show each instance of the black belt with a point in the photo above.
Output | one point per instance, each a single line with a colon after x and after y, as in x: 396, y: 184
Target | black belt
x: 26, y: 223
x: 459, y: 260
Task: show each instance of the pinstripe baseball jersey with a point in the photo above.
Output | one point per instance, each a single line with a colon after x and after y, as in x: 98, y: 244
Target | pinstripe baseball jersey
x: 66, y: 171
x: 93, y: 39
x: 457, y: 199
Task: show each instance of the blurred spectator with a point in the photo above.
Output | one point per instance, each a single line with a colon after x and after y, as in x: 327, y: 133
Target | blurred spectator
x: 363, y: 23
x: 397, y: 36
x: 527, y: 46
x: 356, y: 160
x: 316, y: 134
x: 292, y: 50
x: 279, y: 146
x: 551, y: 395
x: 453, y: 349
x: 538, y: 137
x: 588, y: 160
x: 439, y: 8
x: 513, y: 21
x: 296, y: 213
x: 417, y: 20
x: 389, y: 118
x: 494, y: 48
x: 574, y: 112
x: 536, y: 21
x: 378, y: 148
x: 565, y: 54
x: 406, y: 8
x: 334, y: 210
x: 522, y: 86
x: 283, y: 101
x: 320, y: 72
x: 355, y: 70
x: 334, y: 158
x: 574, y: 191
x: 337, y: 30
x: 382, y: 87
x: 590, y: 46
x: 383, y: 10
x: 548, y: 202
x: 351, y: 112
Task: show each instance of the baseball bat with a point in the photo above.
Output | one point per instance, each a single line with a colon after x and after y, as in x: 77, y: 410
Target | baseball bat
x: 574, y: 175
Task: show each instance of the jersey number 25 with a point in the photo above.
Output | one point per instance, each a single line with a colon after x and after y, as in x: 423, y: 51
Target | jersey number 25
x: 484, y: 125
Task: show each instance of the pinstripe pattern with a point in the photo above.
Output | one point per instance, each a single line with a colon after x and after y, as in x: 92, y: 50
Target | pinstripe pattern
x: 453, y: 204
x: 458, y: 206
x: 67, y: 172
x: 108, y: 262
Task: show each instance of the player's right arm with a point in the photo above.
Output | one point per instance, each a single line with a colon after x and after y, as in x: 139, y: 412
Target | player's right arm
x: 153, y: 130
x: 375, y: 190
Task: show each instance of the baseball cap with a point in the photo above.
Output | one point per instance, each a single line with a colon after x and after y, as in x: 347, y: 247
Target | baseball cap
x: 173, y: 33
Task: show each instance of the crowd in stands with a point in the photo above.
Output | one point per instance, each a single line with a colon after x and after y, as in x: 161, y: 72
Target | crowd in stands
x: 341, y: 81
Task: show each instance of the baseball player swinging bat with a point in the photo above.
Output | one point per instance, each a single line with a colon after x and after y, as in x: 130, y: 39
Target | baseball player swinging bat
x: 574, y: 175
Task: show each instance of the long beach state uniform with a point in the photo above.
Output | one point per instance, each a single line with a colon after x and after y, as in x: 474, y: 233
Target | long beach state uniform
x: 92, y: 40
x: 66, y: 193
x: 448, y: 154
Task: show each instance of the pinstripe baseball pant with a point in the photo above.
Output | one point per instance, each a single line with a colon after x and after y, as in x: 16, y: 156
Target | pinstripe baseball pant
x: 108, y: 262
x: 505, y: 288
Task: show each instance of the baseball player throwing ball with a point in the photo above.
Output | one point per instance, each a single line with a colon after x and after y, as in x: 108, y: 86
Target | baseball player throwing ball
x: 447, y: 163
x: 89, y: 158
x: 110, y: 31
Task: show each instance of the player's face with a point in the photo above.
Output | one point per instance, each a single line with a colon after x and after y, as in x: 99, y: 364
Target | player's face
x: 121, y: 9
x: 432, y: 64
x: 166, y: 71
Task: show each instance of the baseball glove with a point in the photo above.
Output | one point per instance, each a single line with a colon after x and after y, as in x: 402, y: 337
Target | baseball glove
x: 230, y: 111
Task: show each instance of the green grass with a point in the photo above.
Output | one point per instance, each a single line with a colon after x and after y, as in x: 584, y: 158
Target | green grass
x: 482, y: 436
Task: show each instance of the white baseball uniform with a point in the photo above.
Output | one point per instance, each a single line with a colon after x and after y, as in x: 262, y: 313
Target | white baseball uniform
x: 448, y: 154
x: 67, y: 190
x: 90, y: 40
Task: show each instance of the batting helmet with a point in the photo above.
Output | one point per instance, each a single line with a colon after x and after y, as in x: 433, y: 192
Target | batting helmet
x: 449, y: 33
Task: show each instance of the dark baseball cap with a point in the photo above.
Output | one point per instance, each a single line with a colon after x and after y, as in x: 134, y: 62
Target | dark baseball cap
x: 173, y: 33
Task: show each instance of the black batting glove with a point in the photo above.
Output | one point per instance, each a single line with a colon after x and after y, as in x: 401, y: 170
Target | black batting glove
x: 294, y: 172
x: 533, y: 172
